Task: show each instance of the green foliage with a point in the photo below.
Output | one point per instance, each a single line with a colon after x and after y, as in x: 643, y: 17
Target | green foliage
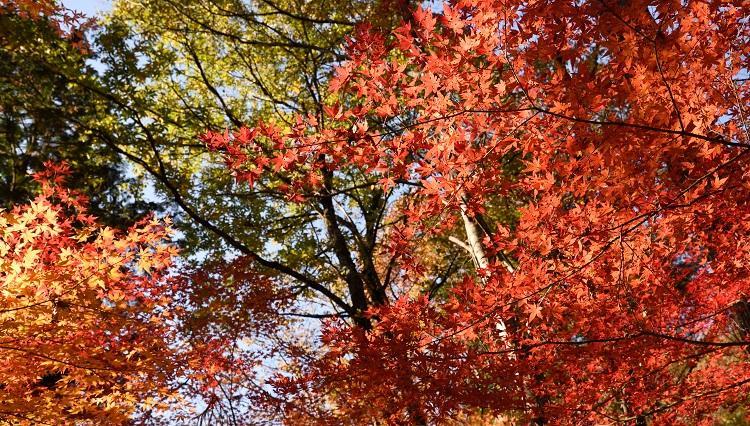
x: 173, y: 70
x: 738, y: 417
x: 41, y: 112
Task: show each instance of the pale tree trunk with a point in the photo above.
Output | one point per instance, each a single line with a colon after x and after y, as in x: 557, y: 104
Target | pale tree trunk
x: 474, y: 238
x: 475, y: 247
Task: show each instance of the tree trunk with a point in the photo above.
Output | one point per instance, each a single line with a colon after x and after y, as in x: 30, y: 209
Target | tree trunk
x: 474, y: 238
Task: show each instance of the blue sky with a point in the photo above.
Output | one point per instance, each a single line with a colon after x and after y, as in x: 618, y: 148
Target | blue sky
x: 89, y: 7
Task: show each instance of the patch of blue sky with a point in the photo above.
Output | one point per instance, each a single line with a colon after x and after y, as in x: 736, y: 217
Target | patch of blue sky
x: 91, y: 8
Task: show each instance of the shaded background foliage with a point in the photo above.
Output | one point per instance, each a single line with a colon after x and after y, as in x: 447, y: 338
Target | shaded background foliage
x: 41, y: 110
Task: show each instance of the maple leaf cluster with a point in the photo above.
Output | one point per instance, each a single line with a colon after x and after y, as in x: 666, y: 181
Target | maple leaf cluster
x: 30, y: 9
x: 67, y: 23
x: 87, y: 314
x: 619, y: 292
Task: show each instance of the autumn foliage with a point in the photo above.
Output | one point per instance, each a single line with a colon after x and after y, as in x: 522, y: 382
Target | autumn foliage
x: 84, y: 312
x: 66, y: 22
x: 530, y: 212
x: 618, y: 293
